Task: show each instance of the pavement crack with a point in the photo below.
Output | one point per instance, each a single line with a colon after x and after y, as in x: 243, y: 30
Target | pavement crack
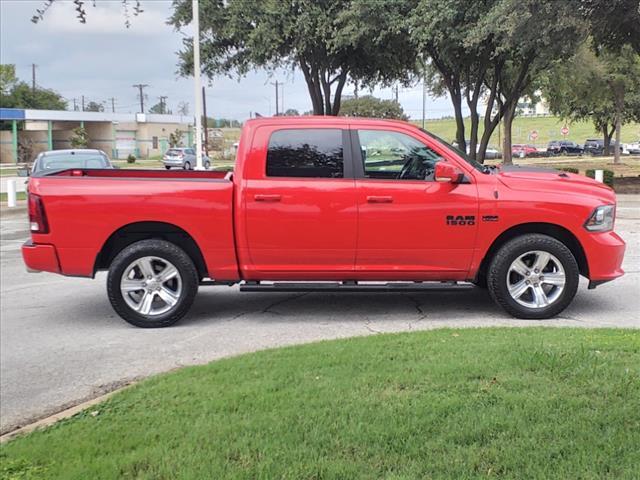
x: 268, y: 308
x: 418, y: 305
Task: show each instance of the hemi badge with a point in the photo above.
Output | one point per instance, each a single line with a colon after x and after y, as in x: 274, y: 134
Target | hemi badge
x: 490, y: 218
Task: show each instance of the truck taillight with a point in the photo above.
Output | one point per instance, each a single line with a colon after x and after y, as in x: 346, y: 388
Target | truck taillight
x: 37, y: 218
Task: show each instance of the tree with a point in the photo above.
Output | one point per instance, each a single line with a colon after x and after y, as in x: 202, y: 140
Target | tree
x: 94, y: 107
x: 79, y: 138
x: 183, y: 109
x: 130, y: 7
x: 585, y: 87
x: 160, y: 108
x: 8, y: 78
x: 494, y: 50
x: 175, y: 138
x: 329, y: 40
x: 291, y: 112
x: 372, y: 107
x: 22, y: 95
x: 612, y: 23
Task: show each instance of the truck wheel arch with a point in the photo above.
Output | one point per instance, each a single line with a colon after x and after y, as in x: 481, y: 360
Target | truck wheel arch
x: 137, y: 231
x: 553, y: 230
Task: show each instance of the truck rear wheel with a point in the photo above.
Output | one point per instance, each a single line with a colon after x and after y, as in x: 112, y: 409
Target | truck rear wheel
x: 533, y: 276
x: 152, y: 283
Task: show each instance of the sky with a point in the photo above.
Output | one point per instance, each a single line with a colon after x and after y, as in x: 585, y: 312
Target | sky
x: 103, y: 59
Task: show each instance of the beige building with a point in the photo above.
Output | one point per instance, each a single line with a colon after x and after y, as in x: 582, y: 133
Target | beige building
x: 118, y: 135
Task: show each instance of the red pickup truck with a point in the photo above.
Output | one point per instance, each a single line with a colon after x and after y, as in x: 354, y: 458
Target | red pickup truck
x: 329, y: 204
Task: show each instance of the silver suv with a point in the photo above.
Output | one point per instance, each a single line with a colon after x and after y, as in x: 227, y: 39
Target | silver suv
x: 183, y: 157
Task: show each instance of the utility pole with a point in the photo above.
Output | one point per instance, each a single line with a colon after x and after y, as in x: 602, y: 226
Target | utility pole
x: 113, y: 105
x: 396, y: 89
x: 195, y: 9
x: 283, y: 110
x: 424, y: 100
x: 141, y: 87
x: 277, y: 103
x: 206, y: 122
x: 355, y: 91
x: 75, y: 105
x: 33, y: 77
x: 83, y: 103
x: 163, y: 104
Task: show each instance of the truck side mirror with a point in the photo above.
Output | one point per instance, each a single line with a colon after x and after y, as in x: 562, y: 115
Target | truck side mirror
x: 447, y: 173
x: 23, y: 172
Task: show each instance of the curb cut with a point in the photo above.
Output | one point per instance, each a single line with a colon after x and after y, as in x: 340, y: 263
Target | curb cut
x: 56, y: 417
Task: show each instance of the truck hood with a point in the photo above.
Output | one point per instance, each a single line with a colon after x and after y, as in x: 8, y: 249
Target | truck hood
x: 548, y: 180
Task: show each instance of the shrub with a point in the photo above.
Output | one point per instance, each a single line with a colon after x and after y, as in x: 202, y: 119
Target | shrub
x: 569, y: 169
x: 607, y: 176
x: 131, y: 158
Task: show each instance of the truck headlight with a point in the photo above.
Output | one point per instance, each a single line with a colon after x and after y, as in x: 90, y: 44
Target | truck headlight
x: 601, y: 220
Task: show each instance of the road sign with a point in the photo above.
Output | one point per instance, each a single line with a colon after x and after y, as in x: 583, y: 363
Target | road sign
x: 533, y: 135
x: 565, y: 131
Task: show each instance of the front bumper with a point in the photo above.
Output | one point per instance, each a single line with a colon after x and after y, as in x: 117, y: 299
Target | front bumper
x: 40, y: 257
x: 605, y: 252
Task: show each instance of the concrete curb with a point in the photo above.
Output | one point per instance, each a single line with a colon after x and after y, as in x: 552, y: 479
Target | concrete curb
x: 56, y: 417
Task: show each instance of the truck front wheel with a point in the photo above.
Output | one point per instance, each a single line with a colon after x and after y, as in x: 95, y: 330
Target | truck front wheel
x: 533, y: 276
x: 152, y: 283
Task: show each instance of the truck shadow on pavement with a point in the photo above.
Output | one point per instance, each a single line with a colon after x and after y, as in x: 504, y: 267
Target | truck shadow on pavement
x: 230, y: 305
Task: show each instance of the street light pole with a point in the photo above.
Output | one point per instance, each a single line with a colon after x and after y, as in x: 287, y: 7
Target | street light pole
x: 197, y: 87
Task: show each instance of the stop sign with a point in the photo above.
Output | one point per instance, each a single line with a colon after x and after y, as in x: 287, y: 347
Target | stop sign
x: 565, y: 131
x: 533, y: 135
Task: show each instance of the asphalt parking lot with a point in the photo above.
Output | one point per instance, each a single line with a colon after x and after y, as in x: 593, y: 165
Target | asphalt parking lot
x: 61, y: 343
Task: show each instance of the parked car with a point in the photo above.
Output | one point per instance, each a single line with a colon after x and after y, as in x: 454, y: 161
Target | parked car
x: 632, y: 148
x: 54, y: 160
x: 491, y: 153
x: 521, y: 150
x: 306, y: 204
x: 595, y: 146
x: 184, y: 158
x: 564, y: 147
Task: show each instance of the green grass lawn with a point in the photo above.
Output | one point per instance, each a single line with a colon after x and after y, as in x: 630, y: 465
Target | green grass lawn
x: 548, y: 128
x: 19, y: 196
x: 459, y: 404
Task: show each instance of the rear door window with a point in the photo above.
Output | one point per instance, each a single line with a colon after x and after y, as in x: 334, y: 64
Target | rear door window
x: 309, y: 153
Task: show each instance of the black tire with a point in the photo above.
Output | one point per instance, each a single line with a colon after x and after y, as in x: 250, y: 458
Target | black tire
x: 207, y: 165
x: 509, y: 252
x: 164, y: 250
x: 187, y: 166
x: 167, y: 167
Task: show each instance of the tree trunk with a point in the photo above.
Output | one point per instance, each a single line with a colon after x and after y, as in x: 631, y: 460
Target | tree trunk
x: 313, y: 85
x: 337, y: 97
x: 616, y: 147
x: 509, y: 113
x: 456, y: 98
x: 606, y: 139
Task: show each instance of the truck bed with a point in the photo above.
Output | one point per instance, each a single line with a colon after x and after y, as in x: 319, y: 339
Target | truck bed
x: 85, y: 208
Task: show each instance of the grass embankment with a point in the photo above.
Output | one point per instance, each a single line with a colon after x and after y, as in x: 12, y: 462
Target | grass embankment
x: 19, y: 196
x: 510, y: 403
x: 548, y: 128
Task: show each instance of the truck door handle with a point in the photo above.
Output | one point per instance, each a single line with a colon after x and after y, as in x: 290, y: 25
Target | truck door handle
x: 378, y: 199
x: 267, y: 198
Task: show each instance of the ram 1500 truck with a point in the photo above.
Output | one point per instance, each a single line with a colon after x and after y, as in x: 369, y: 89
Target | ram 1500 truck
x: 329, y: 204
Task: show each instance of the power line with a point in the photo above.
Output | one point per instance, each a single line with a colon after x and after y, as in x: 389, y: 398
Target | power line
x: 141, y: 87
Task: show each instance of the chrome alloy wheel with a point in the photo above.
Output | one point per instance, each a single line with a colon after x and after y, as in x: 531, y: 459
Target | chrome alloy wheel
x: 536, y: 279
x: 151, y: 285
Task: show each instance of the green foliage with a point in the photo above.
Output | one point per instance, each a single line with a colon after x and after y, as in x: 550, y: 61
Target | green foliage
x: 526, y: 403
x: 607, y: 176
x: 175, y: 138
x: 22, y: 95
x: 329, y: 40
x: 612, y: 23
x: 291, y: 112
x: 131, y: 158
x: 569, y: 170
x: 79, y: 138
x: 372, y: 107
x: 8, y: 78
x: 94, y: 107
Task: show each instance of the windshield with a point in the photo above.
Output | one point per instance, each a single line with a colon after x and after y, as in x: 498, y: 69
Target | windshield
x: 477, y: 165
x: 72, y: 160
